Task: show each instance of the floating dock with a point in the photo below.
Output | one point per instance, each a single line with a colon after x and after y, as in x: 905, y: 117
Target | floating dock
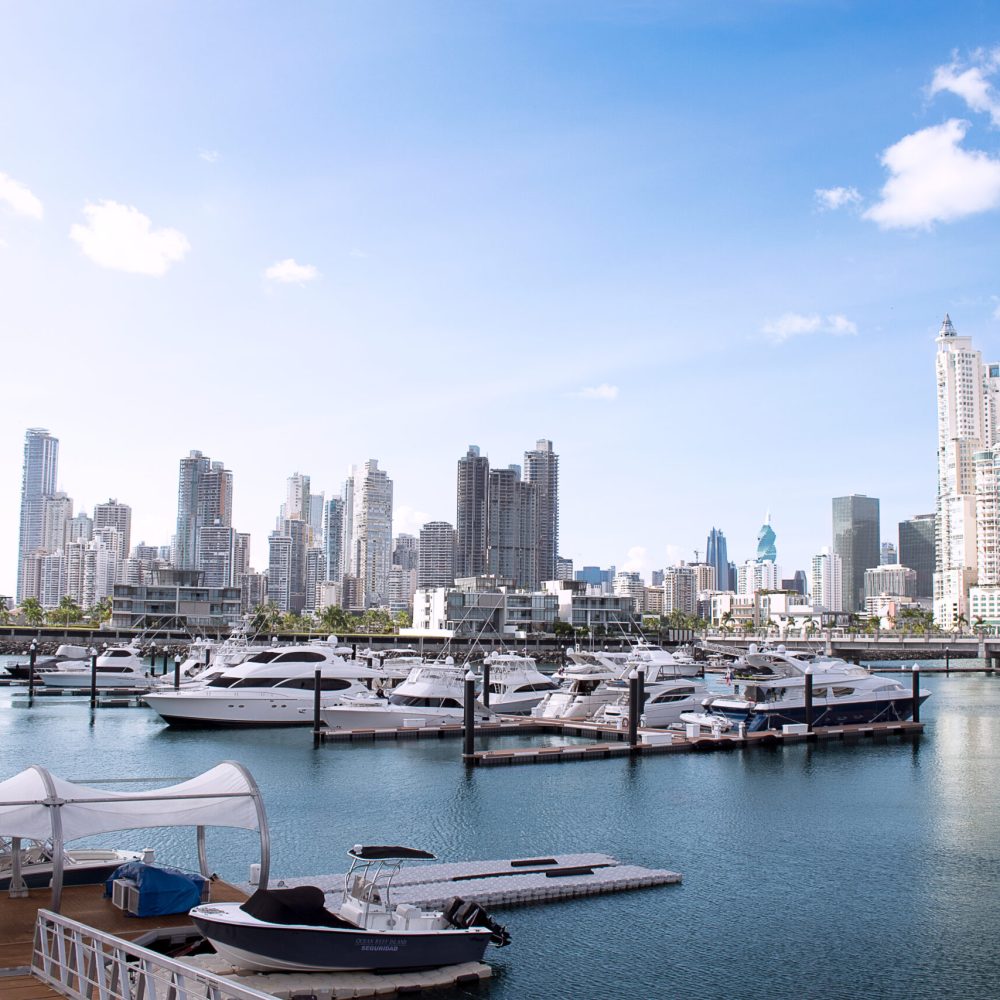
x: 344, y: 985
x: 509, y: 882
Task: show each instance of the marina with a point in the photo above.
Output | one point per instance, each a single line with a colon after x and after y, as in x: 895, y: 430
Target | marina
x: 710, y: 816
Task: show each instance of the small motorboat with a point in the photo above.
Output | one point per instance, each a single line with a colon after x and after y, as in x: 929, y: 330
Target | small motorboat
x: 80, y: 867
x: 299, y: 930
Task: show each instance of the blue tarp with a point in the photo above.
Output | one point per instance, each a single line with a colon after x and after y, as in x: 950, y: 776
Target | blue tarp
x: 161, y: 890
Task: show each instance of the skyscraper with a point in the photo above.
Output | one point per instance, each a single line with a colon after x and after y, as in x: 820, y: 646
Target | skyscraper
x: 115, y: 515
x: 856, y: 540
x: 38, y: 480
x: 716, y: 555
x: 333, y: 537
x: 916, y: 550
x: 371, y: 533
x: 470, y: 514
x: 541, y: 470
x: 512, y: 521
x: 437, y: 555
x: 204, y: 498
x: 967, y: 419
x: 827, y: 581
x: 766, y: 550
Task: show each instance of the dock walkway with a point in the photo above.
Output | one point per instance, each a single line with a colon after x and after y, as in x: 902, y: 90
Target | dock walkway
x: 510, y: 882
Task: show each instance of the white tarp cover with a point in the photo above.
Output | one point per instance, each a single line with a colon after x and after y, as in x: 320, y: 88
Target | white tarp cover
x: 82, y: 816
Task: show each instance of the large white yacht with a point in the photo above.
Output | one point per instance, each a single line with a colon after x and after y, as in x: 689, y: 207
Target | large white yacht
x: 516, y: 684
x: 118, y: 667
x: 770, y: 692
x: 585, y: 690
x: 665, y: 700
x: 274, y: 687
x: 432, y: 694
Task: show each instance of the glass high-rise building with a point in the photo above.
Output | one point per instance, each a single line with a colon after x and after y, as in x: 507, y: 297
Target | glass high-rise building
x: 541, y: 470
x: 41, y: 466
x: 916, y: 550
x: 856, y: 539
x: 716, y: 555
x: 470, y: 512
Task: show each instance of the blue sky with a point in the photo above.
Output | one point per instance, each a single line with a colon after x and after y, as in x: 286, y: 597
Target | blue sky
x: 704, y: 248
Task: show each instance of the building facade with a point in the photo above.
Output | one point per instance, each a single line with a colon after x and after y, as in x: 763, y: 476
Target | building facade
x: 471, y: 495
x: 541, y: 470
x: 856, y: 539
x: 38, y: 480
x: 916, y: 550
x: 436, y: 561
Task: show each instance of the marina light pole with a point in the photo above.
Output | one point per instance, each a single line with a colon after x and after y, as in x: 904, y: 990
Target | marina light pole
x: 469, y: 730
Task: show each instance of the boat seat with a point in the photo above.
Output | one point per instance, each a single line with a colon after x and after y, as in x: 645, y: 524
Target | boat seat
x: 304, y: 904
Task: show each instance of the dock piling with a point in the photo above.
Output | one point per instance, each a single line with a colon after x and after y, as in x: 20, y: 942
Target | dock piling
x: 486, y: 682
x: 317, y: 686
x: 166, y: 662
x: 177, y: 671
x: 93, y: 678
x: 633, y: 708
x: 809, y: 698
x: 916, y: 693
x: 32, y: 653
x: 469, y: 731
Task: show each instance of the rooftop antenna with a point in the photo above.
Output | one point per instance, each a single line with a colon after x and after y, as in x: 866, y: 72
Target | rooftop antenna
x: 695, y: 555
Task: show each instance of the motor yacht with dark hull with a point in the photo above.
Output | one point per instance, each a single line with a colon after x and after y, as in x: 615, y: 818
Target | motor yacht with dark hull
x: 306, y: 930
x: 65, y: 654
x: 770, y: 692
x: 274, y: 687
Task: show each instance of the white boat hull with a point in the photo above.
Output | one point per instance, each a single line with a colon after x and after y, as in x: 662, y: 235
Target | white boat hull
x: 251, y: 709
x: 80, y: 680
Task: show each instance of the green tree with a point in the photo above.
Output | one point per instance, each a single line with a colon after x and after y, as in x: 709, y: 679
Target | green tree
x: 334, y: 618
x: 403, y: 619
x: 101, y: 611
x: 67, y: 612
x: 726, y: 623
x: 32, y: 612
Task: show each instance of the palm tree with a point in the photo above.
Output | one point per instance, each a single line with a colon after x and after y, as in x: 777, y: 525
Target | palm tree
x: 68, y: 611
x: 101, y: 611
x: 32, y: 611
x: 726, y: 622
x: 404, y: 619
x: 333, y: 618
x: 960, y: 622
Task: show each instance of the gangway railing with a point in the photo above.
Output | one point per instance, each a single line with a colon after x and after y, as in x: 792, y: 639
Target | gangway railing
x: 87, y: 964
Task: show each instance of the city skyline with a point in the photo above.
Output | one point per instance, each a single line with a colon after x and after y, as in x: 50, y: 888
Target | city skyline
x: 514, y: 238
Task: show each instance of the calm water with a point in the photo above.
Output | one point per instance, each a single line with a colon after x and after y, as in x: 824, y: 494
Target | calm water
x: 808, y: 872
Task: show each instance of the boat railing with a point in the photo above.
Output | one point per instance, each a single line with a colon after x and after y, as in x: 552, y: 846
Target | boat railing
x: 83, y: 963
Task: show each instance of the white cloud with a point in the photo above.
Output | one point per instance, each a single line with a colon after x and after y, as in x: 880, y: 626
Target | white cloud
x: 933, y: 179
x: 830, y: 199
x: 19, y: 199
x: 790, y: 325
x: 996, y: 313
x: 122, y: 238
x: 288, y: 272
x: 360, y: 254
x: 210, y: 155
x: 970, y: 81
x: 407, y: 520
x: 637, y: 561
x: 602, y: 391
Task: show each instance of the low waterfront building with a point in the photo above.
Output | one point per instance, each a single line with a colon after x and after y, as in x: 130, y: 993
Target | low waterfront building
x: 588, y: 608
x: 176, y: 599
x: 892, y: 580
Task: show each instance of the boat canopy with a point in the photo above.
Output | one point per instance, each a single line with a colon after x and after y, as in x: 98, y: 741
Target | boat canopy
x: 37, y: 805
x: 380, y: 853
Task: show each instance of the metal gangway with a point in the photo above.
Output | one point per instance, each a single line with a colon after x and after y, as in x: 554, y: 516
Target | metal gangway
x: 80, y: 962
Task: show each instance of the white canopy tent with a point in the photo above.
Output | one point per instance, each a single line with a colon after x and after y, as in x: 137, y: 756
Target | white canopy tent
x: 36, y: 805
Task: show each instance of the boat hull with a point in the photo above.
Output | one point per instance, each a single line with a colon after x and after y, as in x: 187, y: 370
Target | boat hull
x: 191, y: 711
x: 274, y: 947
x: 846, y: 713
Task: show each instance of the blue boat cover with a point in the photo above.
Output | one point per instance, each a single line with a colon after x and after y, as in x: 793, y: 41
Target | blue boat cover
x: 161, y: 890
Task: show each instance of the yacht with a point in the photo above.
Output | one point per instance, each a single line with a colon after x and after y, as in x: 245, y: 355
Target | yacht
x: 362, y: 927
x: 516, y: 684
x: 432, y: 694
x: 118, y: 667
x: 273, y: 687
x: 665, y: 700
x: 770, y: 692
x: 66, y: 653
x: 585, y: 690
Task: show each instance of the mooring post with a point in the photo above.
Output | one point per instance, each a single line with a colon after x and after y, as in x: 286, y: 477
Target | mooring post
x: 93, y: 677
x: 32, y: 651
x: 354, y: 650
x: 469, y: 731
x: 208, y: 655
x: 633, y: 708
x: 641, y: 692
x: 916, y: 693
x: 486, y: 682
x: 152, y: 660
x: 317, y: 687
x: 809, y: 698
x: 177, y: 671
x: 947, y: 660
x: 166, y: 662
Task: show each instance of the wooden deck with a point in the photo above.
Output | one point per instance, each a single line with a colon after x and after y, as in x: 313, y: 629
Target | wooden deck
x: 87, y: 904
x: 25, y: 988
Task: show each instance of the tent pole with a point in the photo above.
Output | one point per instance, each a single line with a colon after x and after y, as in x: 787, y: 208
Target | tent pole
x: 202, y: 853
x: 55, y: 805
x: 265, y: 835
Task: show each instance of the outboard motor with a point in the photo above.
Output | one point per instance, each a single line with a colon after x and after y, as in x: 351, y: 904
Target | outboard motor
x: 464, y: 913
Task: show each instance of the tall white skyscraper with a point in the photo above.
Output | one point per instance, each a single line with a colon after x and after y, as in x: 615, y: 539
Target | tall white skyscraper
x: 967, y: 395
x: 38, y: 480
x: 370, y: 552
x: 827, y: 581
